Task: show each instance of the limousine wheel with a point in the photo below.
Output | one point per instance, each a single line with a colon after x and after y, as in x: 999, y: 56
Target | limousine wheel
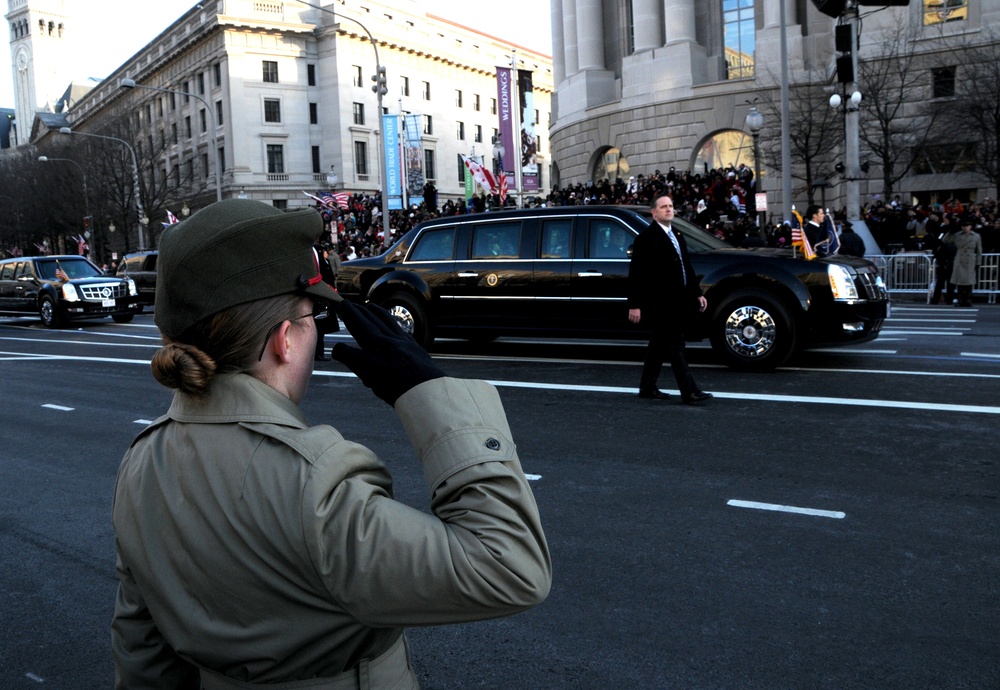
x: 122, y: 318
x: 410, y: 315
x: 47, y: 313
x: 753, y: 331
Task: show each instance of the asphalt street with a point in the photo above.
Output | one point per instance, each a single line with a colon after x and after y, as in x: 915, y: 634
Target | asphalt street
x: 833, y: 524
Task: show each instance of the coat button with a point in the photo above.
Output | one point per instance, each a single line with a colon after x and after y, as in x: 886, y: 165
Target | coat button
x: 493, y: 444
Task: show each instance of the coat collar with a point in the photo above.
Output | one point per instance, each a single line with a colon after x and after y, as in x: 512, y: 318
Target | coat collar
x: 237, y: 398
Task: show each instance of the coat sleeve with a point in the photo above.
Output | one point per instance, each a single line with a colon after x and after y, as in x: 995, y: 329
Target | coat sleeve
x: 481, y: 554
x: 143, y: 659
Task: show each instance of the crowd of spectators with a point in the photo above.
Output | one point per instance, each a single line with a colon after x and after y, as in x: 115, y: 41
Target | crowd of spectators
x: 720, y: 200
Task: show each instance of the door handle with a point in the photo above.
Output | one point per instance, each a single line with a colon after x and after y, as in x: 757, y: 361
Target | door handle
x: 590, y: 274
x: 468, y: 275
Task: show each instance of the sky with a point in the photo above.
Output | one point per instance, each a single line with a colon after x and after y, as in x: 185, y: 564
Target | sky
x: 119, y: 32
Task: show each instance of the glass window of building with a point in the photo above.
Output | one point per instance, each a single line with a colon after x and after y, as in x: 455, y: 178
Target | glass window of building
x: 460, y: 131
x: 361, y: 159
x: 359, y: 113
x: 945, y: 11
x: 493, y: 106
x: 428, y: 124
x: 404, y: 88
x: 426, y: 90
x: 943, y: 82
x: 315, y: 160
x: 458, y: 98
x: 478, y: 135
x: 201, y: 83
x: 476, y: 102
x: 739, y: 38
x: 724, y: 149
x: 275, y: 159
x: 356, y: 71
x: 429, y: 171
x: 610, y: 165
x: 218, y: 113
x: 311, y: 75
x: 270, y: 69
x: 313, y: 114
x: 217, y: 73
x: 272, y: 110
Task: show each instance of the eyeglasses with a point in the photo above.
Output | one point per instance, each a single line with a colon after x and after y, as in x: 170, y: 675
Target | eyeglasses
x: 321, y: 310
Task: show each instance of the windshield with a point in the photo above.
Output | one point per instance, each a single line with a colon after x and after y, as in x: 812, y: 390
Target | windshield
x: 73, y: 268
x: 698, y: 240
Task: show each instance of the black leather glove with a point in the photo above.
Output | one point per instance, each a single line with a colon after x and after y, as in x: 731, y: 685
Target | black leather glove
x: 388, y: 361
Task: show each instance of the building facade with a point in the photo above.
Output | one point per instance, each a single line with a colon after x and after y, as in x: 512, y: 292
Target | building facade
x: 279, y: 95
x: 653, y: 84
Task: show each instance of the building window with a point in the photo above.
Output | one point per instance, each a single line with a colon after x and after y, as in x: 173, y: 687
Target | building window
x: 493, y: 106
x: 149, y: 113
x: 359, y: 113
x: 404, y: 88
x: 428, y: 124
x: 429, y: 164
x: 219, y: 118
x: 311, y: 75
x: 361, y: 159
x: 478, y: 134
x: 203, y: 119
x: 275, y: 159
x: 461, y: 170
x: 187, y: 126
x: 356, y: 69
x: 173, y: 132
x: 272, y: 110
x: 739, y: 38
x: 425, y: 90
x: 280, y: 204
x: 476, y: 102
x: 201, y: 83
x: 270, y: 68
x: 204, y: 165
x: 315, y: 159
x: 458, y: 98
x: 313, y: 114
x: 173, y: 101
x: 159, y: 107
x: 938, y: 12
x: 943, y: 82
x: 460, y: 131
x: 217, y: 73
x: 221, y: 160
x: 186, y: 89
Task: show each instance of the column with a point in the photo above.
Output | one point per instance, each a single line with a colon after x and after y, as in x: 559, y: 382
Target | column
x: 590, y: 34
x: 647, y: 22
x: 679, y: 20
x: 772, y: 13
x: 558, y: 46
x: 571, y: 49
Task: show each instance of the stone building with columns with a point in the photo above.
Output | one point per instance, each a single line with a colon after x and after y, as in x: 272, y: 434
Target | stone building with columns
x: 652, y: 84
x: 279, y: 97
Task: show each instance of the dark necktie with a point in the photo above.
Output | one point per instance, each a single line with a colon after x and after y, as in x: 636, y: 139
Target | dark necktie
x: 677, y: 248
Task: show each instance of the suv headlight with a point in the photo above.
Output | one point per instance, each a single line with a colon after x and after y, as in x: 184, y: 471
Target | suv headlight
x: 841, y: 283
x: 69, y: 293
x: 132, y: 291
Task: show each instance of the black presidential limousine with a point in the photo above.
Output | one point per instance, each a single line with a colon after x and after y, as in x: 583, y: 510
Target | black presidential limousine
x: 563, y: 272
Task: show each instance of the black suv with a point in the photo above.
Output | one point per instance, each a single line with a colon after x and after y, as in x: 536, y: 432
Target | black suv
x: 141, y: 268
x: 32, y: 285
x: 563, y: 272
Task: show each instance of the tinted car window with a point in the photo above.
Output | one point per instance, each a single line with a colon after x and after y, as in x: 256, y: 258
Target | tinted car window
x: 556, y: 238
x: 609, y: 239
x: 73, y: 269
x: 8, y: 272
x: 496, y: 240
x: 435, y: 245
x: 23, y: 269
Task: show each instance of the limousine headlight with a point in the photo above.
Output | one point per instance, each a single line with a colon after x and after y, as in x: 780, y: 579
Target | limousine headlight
x: 842, y: 283
x: 69, y: 293
x: 131, y: 288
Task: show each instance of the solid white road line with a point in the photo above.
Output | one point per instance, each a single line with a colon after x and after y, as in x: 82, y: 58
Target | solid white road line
x: 836, y: 514
x: 144, y: 422
x: 978, y: 354
x: 58, y: 407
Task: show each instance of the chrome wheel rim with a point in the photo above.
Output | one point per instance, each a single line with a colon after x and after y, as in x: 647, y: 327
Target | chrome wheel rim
x: 750, y: 332
x: 46, y: 312
x: 403, y: 317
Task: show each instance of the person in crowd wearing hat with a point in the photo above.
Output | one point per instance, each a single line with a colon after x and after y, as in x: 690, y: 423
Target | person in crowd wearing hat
x: 255, y: 550
x: 968, y: 257
x: 663, y: 294
x: 851, y: 243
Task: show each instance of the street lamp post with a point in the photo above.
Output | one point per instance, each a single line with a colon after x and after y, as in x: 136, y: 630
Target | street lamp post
x: 755, y: 122
x: 380, y: 90
x: 135, y: 178
x: 131, y: 84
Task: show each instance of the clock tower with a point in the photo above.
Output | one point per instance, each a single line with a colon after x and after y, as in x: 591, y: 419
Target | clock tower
x: 39, y: 51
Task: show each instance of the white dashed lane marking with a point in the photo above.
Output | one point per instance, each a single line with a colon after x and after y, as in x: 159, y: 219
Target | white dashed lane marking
x: 836, y: 514
x: 61, y: 408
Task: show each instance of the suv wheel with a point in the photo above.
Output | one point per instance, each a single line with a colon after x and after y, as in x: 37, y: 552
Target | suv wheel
x: 753, y: 331
x: 410, y: 315
x: 48, y: 314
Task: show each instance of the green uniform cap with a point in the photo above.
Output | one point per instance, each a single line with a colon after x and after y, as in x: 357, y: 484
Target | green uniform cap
x: 233, y: 252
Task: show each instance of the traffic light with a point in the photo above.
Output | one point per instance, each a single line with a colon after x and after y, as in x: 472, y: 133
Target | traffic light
x: 379, y: 79
x: 86, y: 222
x: 845, y: 42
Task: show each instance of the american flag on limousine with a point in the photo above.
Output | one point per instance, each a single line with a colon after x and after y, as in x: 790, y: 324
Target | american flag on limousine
x: 799, y: 238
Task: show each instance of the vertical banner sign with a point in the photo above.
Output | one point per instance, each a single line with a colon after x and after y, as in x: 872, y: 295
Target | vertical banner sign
x: 506, y: 114
x: 529, y: 143
x: 470, y: 186
x: 393, y: 170
x: 413, y: 153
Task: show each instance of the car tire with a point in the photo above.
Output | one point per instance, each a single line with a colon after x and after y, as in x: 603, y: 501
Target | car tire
x: 122, y: 318
x: 48, y: 314
x: 410, y: 314
x: 753, y: 331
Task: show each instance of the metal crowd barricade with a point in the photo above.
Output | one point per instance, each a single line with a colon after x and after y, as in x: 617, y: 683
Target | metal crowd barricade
x: 914, y: 273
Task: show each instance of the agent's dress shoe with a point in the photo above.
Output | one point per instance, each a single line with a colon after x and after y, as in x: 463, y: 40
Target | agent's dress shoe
x: 654, y: 394
x: 696, y: 398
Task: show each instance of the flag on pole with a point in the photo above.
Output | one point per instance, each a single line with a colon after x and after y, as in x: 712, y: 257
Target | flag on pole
x: 830, y: 244
x: 799, y: 238
x: 503, y: 189
x: 483, y: 177
x: 331, y: 199
x: 171, y: 219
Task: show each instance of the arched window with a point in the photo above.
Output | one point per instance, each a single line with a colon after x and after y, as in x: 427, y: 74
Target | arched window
x: 724, y: 149
x: 609, y: 164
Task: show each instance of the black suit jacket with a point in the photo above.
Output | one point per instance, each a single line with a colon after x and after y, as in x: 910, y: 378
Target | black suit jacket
x: 655, y: 282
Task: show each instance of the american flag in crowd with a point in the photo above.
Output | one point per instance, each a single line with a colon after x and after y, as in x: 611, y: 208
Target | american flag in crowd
x: 329, y: 199
x: 483, y: 177
x: 799, y: 238
x: 503, y: 188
